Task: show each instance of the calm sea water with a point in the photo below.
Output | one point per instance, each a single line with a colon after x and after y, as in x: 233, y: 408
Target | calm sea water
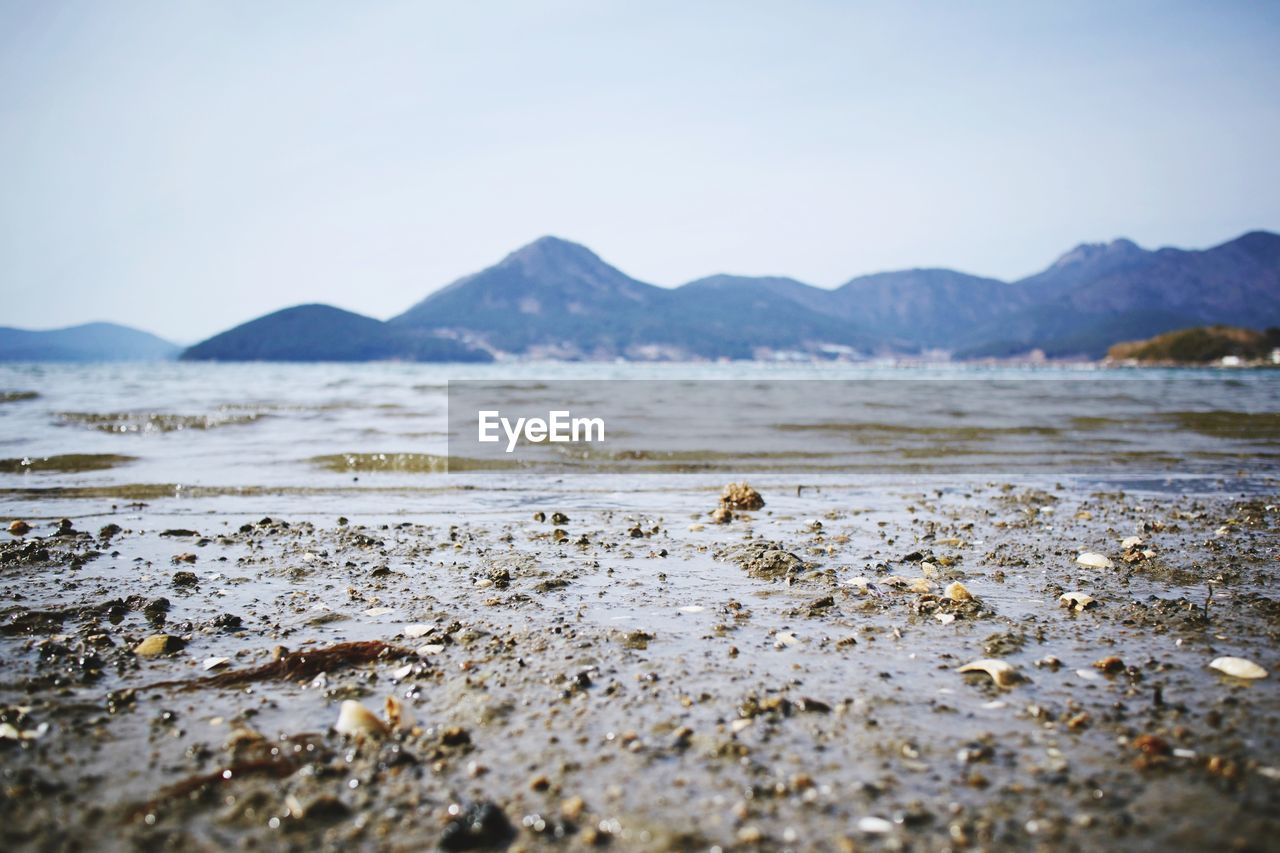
x: 370, y: 437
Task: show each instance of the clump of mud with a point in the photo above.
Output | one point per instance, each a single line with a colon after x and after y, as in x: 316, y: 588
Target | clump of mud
x: 740, y: 496
x: 765, y: 560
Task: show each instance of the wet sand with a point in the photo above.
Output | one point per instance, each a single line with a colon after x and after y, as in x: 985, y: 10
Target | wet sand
x: 614, y: 677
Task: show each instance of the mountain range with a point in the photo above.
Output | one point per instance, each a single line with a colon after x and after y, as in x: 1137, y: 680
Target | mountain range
x: 89, y: 342
x: 554, y: 298
x: 557, y: 299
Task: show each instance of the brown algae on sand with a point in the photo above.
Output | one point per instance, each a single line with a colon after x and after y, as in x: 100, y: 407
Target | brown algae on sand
x: 409, y: 463
x: 155, y: 422
x: 65, y: 463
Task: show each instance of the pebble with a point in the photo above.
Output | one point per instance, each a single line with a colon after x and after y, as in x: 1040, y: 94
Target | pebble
x: 159, y: 644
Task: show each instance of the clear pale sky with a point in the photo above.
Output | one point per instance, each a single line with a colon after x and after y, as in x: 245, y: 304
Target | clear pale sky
x: 186, y: 166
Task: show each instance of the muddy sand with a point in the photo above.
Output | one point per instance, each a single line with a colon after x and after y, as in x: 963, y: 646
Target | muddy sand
x: 567, y: 677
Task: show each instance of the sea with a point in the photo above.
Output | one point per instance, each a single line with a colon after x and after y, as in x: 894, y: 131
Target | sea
x: 376, y: 440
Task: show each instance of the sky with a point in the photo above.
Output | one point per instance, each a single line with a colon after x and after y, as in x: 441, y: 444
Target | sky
x: 186, y: 166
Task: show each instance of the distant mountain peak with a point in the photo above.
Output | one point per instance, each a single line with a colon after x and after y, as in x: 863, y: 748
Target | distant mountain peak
x: 1089, y: 253
x: 550, y: 253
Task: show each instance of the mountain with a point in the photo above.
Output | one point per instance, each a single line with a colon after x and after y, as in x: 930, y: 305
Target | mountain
x: 1199, y: 346
x: 926, y: 308
x: 325, y: 333
x: 1098, y: 294
x: 554, y: 298
x: 551, y: 295
x: 558, y: 298
x: 737, y: 316
x: 88, y: 342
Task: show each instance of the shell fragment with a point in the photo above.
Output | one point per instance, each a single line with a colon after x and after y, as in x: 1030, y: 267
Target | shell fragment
x: 355, y: 719
x: 1001, y: 672
x: 1238, y: 667
x: 1092, y: 560
x: 1076, y: 600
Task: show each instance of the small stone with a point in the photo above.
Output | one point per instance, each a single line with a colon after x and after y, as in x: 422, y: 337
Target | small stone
x: 159, y: 644
x: 1109, y: 664
x: 18, y: 527
x: 455, y: 736
x: 572, y: 808
x: 481, y: 826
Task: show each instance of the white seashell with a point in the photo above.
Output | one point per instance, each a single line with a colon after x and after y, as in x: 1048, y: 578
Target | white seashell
x: 430, y: 649
x: 399, y: 715
x: 415, y: 630
x: 1131, y: 542
x: 929, y: 570
x: 945, y: 618
x: 741, y: 724
x: 403, y: 672
x: 786, y: 638
x: 860, y: 582
x: 1076, y: 600
x: 692, y: 608
x: 874, y: 825
x: 957, y: 591
x: 379, y: 611
x: 1002, y: 673
x: 484, y: 583
x: 214, y: 663
x: 1094, y: 561
x: 355, y: 719
x: 1238, y: 667
x: 695, y: 527
x: 1089, y: 674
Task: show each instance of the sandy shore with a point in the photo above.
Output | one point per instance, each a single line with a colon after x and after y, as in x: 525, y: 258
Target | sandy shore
x: 649, y: 681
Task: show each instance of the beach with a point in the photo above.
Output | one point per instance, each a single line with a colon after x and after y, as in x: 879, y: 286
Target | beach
x: 581, y: 658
